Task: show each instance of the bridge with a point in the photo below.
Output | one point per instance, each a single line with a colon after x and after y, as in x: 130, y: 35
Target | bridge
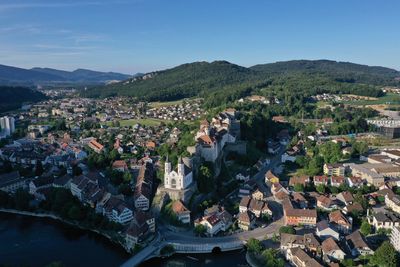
x: 185, y: 242
x: 153, y: 249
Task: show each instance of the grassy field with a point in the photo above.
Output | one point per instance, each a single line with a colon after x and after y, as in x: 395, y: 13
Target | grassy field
x: 387, y: 99
x: 165, y: 104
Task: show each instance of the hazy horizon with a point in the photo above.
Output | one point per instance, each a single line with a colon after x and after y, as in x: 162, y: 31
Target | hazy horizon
x: 161, y: 69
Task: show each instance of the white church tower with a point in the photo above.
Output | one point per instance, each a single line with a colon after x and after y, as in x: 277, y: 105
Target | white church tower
x: 180, y: 179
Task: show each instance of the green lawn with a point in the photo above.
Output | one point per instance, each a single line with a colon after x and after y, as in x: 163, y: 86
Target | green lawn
x: 165, y: 104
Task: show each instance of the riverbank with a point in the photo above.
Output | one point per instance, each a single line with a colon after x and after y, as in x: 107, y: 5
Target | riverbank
x: 59, y: 219
x: 251, y: 260
x: 39, y: 241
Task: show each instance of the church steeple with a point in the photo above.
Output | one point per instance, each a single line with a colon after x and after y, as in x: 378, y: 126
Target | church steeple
x: 181, y: 167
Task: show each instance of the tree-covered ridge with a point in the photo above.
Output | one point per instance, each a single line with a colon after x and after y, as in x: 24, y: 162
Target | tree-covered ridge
x: 186, y: 80
x: 222, y: 82
x: 13, y: 97
x: 339, y: 71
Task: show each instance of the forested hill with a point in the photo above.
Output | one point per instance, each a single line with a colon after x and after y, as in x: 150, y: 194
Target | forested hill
x: 45, y: 76
x: 221, y: 82
x: 339, y: 71
x: 183, y: 81
x: 13, y: 97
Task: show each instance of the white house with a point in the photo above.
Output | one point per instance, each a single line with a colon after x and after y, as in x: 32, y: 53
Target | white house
x: 117, y: 211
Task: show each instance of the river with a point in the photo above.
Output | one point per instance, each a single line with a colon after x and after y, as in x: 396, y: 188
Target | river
x: 36, y: 242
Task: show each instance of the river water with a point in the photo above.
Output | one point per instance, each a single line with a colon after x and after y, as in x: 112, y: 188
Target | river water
x: 28, y: 241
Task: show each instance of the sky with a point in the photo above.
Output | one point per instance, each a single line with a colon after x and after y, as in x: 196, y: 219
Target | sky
x: 146, y: 35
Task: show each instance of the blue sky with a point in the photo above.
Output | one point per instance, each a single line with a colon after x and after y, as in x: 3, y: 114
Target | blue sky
x: 146, y: 35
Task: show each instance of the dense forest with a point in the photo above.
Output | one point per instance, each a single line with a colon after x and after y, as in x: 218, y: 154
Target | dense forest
x: 13, y: 97
x: 222, y: 82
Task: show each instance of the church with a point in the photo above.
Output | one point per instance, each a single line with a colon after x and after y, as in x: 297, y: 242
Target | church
x: 178, y: 184
x: 180, y: 179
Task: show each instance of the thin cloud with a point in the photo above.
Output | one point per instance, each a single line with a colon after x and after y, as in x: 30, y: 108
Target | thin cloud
x: 8, y: 6
x: 62, y: 47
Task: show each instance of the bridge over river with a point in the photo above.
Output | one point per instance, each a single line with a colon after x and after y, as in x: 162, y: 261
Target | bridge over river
x: 185, y: 243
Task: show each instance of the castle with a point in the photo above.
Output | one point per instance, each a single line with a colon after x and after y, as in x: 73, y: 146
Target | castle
x: 212, y: 137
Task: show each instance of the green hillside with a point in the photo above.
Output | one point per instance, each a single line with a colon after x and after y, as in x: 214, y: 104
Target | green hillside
x: 183, y: 81
x: 338, y: 71
x: 221, y: 82
x: 13, y: 97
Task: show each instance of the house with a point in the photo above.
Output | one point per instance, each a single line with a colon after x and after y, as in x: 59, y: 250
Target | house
x: 297, y: 257
x: 141, y: 218
x: 244, y: 204
x: 117, y: 211
x: 307, y: 242
x: 300, y: 200
x: 211, y: 210
x: 11, y: 182
x: 226, y: 219
x: 243, y: 176
x: 142, y: 195
x: 259, y: 208
x: 393, y: 202
x: 331, y: 250
x: 355, y: 208
x: 63, y: 181
x: 215, y: 219
x: 277, y: 187
x: 365, y: 171
x: 135, y: 234
x: 340, y: 222
x: 325, y: 203
x: 305, y: 217
x: 303, y: 180
x: 182, y: 213
x: 387, y: 220
x: 40, y: 183
x: 78, y: 184
x: 357, y: 244
x: 120, y: 165
x: 395, y: 238
x: 321, y: 180
x: 246, y: 220
x: 212, y: 223
x: 336, y: 181
x: 345, y: 197
x: 281, y: 196
x: 144, y: 187
x: 354, y: 181
x: 96, y: 146
x: 334, y: 169
x: 258, y: 195
x: 324, y: 230
x: 271, y: 177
